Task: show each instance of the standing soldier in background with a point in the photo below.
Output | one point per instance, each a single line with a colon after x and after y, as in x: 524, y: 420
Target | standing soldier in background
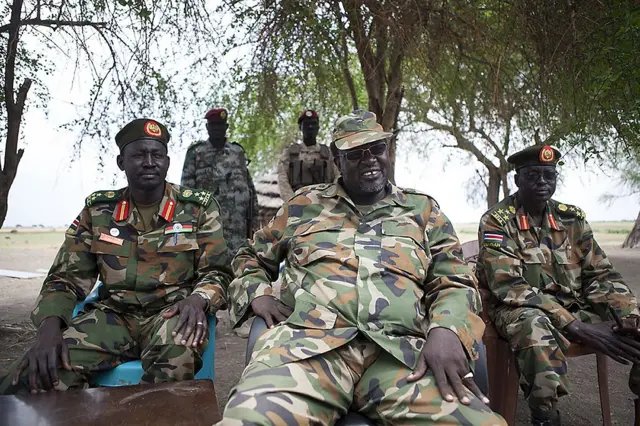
x: 220, y: 166
x: 307, y: 163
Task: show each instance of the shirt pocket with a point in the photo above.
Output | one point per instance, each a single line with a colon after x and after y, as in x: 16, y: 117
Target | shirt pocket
x: 403, y: 249
x: 173, y: 260
x: 315, y: 241
x: 532, y: 261
x: 112, y: 260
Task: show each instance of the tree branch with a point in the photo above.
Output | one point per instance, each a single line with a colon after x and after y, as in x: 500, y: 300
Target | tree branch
x: 51, y: 23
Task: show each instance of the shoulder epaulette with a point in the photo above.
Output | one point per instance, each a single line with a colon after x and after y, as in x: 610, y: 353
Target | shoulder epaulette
x: 567, y: 210
x: 108, y: 196
x: 196, y: 196
x: 501, y: 213
x: 195, y: 144
x: 424, y: 194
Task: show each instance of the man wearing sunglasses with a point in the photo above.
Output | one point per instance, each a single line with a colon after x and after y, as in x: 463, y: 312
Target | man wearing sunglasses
x: 378, y: 311
x: 552, y: 284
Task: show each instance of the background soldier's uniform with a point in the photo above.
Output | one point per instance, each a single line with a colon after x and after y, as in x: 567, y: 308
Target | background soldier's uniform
x: 224, y: 172
x: 543, y: 279
x: 301, y: 165
x: 366, y: 284
x: 142, y: 274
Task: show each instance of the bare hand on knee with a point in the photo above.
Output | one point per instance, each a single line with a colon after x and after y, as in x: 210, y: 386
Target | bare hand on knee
x: 270, y: 309
x: 602, y: 338
x: 43, y: 359
x: 445, y: 356
x: 192, y: 321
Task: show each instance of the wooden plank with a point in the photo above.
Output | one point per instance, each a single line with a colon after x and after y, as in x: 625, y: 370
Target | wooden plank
x: 185, y: 403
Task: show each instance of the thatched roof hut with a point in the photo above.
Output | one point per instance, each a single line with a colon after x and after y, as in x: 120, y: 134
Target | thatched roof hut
x: 269, y: 200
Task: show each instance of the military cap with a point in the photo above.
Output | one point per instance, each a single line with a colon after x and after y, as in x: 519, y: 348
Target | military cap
x: 357, y: 129
x: 537, y: 155
x: 142, y: 128
x: 217, y: 114
x: 307, y: 113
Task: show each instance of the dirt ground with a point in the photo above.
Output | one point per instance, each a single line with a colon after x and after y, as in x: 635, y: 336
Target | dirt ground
x: 580, y: 408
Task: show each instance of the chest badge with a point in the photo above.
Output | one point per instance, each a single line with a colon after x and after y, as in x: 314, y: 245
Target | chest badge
x: 178, y: 228
x: 114, y: 232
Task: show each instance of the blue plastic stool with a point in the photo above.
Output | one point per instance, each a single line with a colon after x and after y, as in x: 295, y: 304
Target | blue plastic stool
x: 130, y: 373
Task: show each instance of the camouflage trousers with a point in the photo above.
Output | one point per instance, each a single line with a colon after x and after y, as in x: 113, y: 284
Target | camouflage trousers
x: 540, y: 351
x: 101, y: 339
x: 359, y: 377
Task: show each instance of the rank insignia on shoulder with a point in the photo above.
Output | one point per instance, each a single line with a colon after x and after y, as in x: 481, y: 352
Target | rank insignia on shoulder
x: 198, y: 196
x: 102, y: 196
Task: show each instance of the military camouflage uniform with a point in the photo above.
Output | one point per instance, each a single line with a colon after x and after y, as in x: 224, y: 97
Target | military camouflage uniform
x: 366, y: 284
x: 224, y: 172
x: 143, y: 274
x: 314, y: 165
x: 543, y: 279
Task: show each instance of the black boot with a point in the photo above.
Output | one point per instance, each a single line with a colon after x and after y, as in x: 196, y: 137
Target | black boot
x: 635, y: 411
x: 634, y: 379
x: 545, y: 417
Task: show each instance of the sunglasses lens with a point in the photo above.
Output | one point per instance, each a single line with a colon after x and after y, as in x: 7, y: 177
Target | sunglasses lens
x: 354, y: 155
x: 378, y: 149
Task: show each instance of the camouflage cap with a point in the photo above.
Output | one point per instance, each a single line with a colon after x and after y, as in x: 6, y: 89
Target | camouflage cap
x: 357, y: 129
x: 142, y: 128
x: 537, y: 155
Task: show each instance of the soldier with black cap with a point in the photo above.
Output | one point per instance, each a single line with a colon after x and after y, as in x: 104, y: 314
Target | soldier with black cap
x: 552, y: 284
x: 220, y: 166
x: 306, y: 163
x: 158, y: 250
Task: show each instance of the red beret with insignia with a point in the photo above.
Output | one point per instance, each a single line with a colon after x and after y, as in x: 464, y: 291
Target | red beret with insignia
x: 217, y: 114
x: 307, y: 114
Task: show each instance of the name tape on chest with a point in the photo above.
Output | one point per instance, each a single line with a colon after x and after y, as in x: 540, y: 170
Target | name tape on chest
x: 110, y: 239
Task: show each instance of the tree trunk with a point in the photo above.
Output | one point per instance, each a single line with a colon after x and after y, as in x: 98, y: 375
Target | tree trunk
x: 15, y: 109
x: 493, y: 189
x: 633, y: 239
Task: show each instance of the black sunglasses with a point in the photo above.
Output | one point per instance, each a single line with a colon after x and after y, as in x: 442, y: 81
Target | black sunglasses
x: 374, y: 150
x: 548, y: 175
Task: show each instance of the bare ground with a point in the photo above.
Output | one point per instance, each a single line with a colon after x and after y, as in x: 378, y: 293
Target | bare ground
x: 580, y: 408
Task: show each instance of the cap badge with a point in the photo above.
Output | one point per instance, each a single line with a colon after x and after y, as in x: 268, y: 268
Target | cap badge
x: 152, y: 129
x: 546, y: 154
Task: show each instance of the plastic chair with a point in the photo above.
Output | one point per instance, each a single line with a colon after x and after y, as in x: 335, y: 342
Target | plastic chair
x: 259, y: 326
x: 130, y: 373
x: 503, y: 383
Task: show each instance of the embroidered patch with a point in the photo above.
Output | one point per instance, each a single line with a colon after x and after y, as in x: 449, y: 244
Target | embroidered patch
x: 74, y: 226
x: 493, y: 239
x: 178, y: 228
x: 109, y: 239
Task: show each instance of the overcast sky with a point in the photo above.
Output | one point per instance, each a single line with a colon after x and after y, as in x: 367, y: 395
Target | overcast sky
x: 51, y: 186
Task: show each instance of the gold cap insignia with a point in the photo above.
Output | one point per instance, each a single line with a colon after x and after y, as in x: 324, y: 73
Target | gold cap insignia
x: 308, y: 113
x: 152, y: 129
x: 546, y: 154
x: 223, y: 114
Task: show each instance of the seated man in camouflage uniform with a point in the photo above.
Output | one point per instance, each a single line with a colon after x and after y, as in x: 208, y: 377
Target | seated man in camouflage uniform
x: 158, y: 250
x: 378, y: 310
x: 552, y: 283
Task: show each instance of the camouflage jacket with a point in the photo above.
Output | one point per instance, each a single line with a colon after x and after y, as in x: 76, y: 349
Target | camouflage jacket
x: 558, y: 268
x: 141, y: 272
x: 306, y: 157
x: 392, y: 271
x: 224, y: 172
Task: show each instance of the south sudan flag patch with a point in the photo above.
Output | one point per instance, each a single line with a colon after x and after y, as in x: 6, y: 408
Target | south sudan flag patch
x: 493, y: 239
